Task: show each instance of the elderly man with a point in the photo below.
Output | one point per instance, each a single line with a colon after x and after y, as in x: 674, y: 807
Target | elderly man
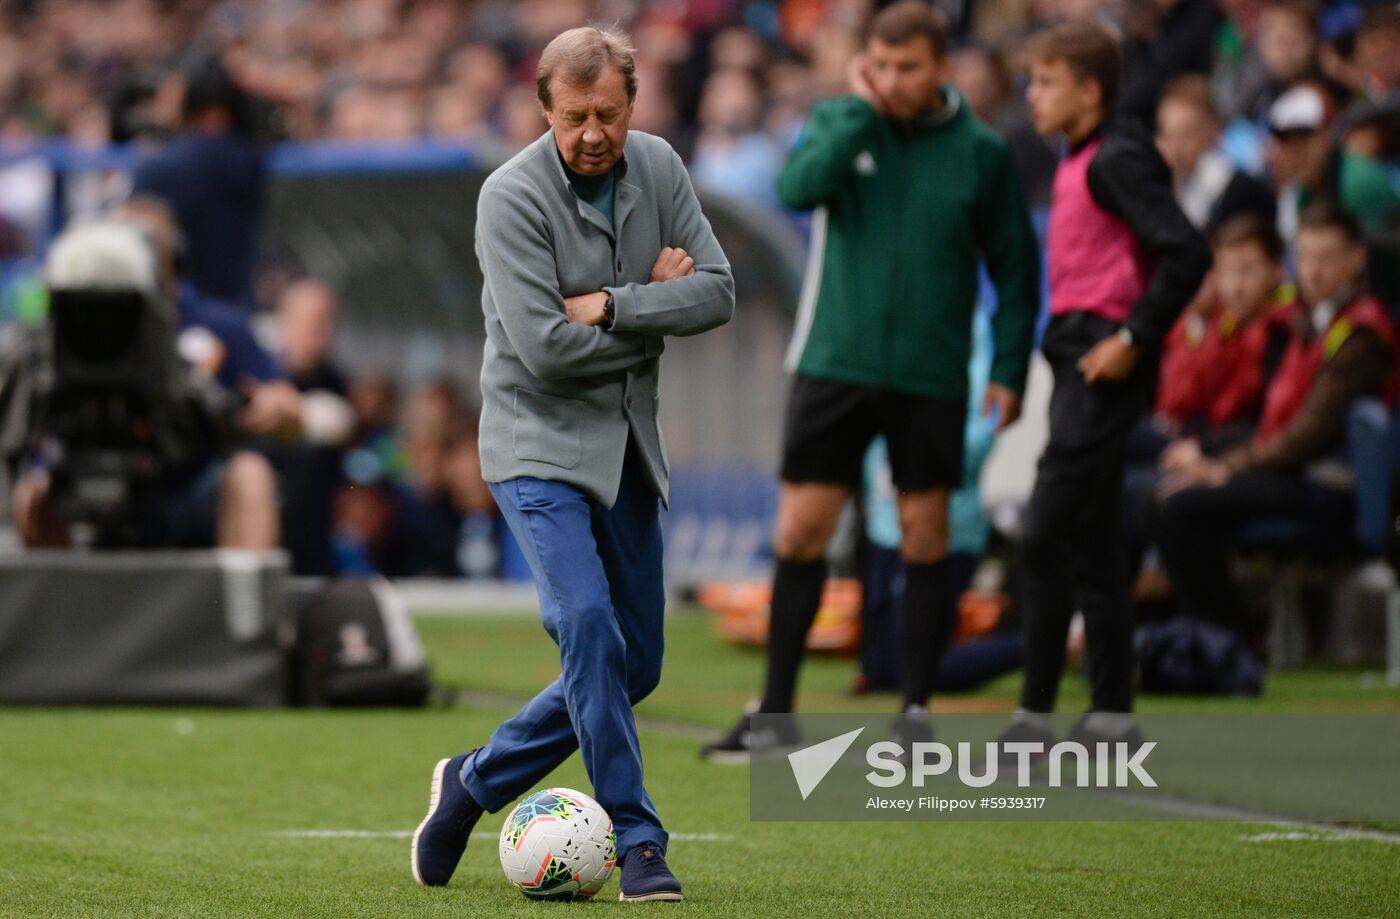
x: 593, y: 248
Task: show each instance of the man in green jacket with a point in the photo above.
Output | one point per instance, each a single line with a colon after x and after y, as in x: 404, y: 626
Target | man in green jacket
x: 912, y: 194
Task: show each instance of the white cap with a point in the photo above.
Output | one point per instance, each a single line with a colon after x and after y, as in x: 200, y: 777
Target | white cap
x: 1300, y: 109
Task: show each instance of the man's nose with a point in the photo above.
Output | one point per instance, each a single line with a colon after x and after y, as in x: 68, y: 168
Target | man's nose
x: 592, y: 135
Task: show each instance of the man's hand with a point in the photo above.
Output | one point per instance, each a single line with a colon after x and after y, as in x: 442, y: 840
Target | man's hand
x: 1005, y: 402
x: 857, y: 74
x: 672, y: 264
x: 586, y: 309
x: 1203, y: 473
x: 1110, y: 361
x: 1181, y: 454
x: 273, y: 409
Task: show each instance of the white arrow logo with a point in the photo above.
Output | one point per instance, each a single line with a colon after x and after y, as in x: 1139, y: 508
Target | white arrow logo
x: 811, y: 764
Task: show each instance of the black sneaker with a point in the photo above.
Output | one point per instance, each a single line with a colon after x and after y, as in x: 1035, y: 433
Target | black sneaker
x: 911, y: 726
x: 1024, y: 732
x: 735, y: 747
x: 1091, y: 737
x: 441, y: 838
x: 645, y: 876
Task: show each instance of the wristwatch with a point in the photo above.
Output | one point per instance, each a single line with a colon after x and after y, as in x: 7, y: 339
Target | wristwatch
x: 1125, y: 334
x: 609, y: 311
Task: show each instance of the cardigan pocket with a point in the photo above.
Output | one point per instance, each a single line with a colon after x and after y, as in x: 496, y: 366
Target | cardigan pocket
x: 547, y: 428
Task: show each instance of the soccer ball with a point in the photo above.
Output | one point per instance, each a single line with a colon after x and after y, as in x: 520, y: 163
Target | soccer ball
x: 558, y: 844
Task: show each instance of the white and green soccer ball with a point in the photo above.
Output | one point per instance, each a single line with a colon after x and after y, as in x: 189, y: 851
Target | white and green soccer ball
x: 558, y: 844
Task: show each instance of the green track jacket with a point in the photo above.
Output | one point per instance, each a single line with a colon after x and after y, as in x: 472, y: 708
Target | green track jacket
x: 905, y: 214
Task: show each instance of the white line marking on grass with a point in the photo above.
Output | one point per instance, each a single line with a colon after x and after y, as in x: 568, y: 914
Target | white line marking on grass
x: 406, y: 834
x: 1289, y: 827
x: 1323, y: 836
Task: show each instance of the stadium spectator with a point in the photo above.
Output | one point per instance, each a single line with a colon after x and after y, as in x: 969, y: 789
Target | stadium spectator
x: 1285, y: 51
x: 1376, y: 55
x: 212, y: 174
x: 1209, y: 188
x: 981, y: 76
x: 1162, y: 40
x: 375, y: 451
x: 426, y: 522
x: 1308, y: 168
x: 1217, y: 364
x: 480, y: 527
x: 1300, y: 152
x: 732, y: 154
x: 522, y: 122
x: 1124, y: 261
x: 310, y: 470
x: 307, y: 312
x: 408, y: 489
x: 1371, y: 69
x: 883, y: 340
x: 1344, y: 349
x: 363, y: 515
x: 1217, y: 361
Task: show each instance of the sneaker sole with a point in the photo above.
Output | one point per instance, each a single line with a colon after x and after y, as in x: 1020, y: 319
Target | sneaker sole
x: 672, y: 895
x: 433, y: 796
x: 726, y: 757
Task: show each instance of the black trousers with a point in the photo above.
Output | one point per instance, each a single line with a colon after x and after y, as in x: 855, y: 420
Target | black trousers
x: 881, y: 650
x: 1196, y: 529
x: 1073, y: 552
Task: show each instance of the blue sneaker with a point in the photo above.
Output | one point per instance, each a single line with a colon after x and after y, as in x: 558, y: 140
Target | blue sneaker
x: 441, y: 838
x: 646, y: 877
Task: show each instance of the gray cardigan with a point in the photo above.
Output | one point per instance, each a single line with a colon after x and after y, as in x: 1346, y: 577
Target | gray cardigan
x: 558, y: 399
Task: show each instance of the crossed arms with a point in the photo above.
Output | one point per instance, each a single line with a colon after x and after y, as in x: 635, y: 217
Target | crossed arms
x: 590, y: 309
x: 687, y: 293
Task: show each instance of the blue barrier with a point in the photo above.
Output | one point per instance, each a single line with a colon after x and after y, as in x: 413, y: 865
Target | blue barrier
x: 289, y: 158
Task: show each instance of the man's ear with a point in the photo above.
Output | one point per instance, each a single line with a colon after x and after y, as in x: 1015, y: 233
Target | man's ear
x: 1091, y: 94
x: 943, y: 69
x: 1358, y: 257
x: 548, y: 115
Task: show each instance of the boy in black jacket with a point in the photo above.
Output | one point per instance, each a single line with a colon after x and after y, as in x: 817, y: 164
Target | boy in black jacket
x: 1123, y: 262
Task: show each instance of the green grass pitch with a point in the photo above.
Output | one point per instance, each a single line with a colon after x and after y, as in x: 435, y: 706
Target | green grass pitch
x: 194, y: 813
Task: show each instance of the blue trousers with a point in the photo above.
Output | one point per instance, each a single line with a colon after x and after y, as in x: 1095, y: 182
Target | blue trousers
x: 599, y: 576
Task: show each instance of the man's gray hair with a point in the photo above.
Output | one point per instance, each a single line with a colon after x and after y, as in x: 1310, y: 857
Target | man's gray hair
x: 578, y: 57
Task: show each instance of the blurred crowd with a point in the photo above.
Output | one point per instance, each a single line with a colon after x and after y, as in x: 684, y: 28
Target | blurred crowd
x: 1259, y: 106
x: 725, y: 81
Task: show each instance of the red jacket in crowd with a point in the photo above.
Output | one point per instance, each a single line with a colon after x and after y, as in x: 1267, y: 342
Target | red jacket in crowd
x: 1298, y: 371
x: 1214, y: 368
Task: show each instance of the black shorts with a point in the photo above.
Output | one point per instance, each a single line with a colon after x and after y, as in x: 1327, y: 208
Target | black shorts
x: 829, y: 425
